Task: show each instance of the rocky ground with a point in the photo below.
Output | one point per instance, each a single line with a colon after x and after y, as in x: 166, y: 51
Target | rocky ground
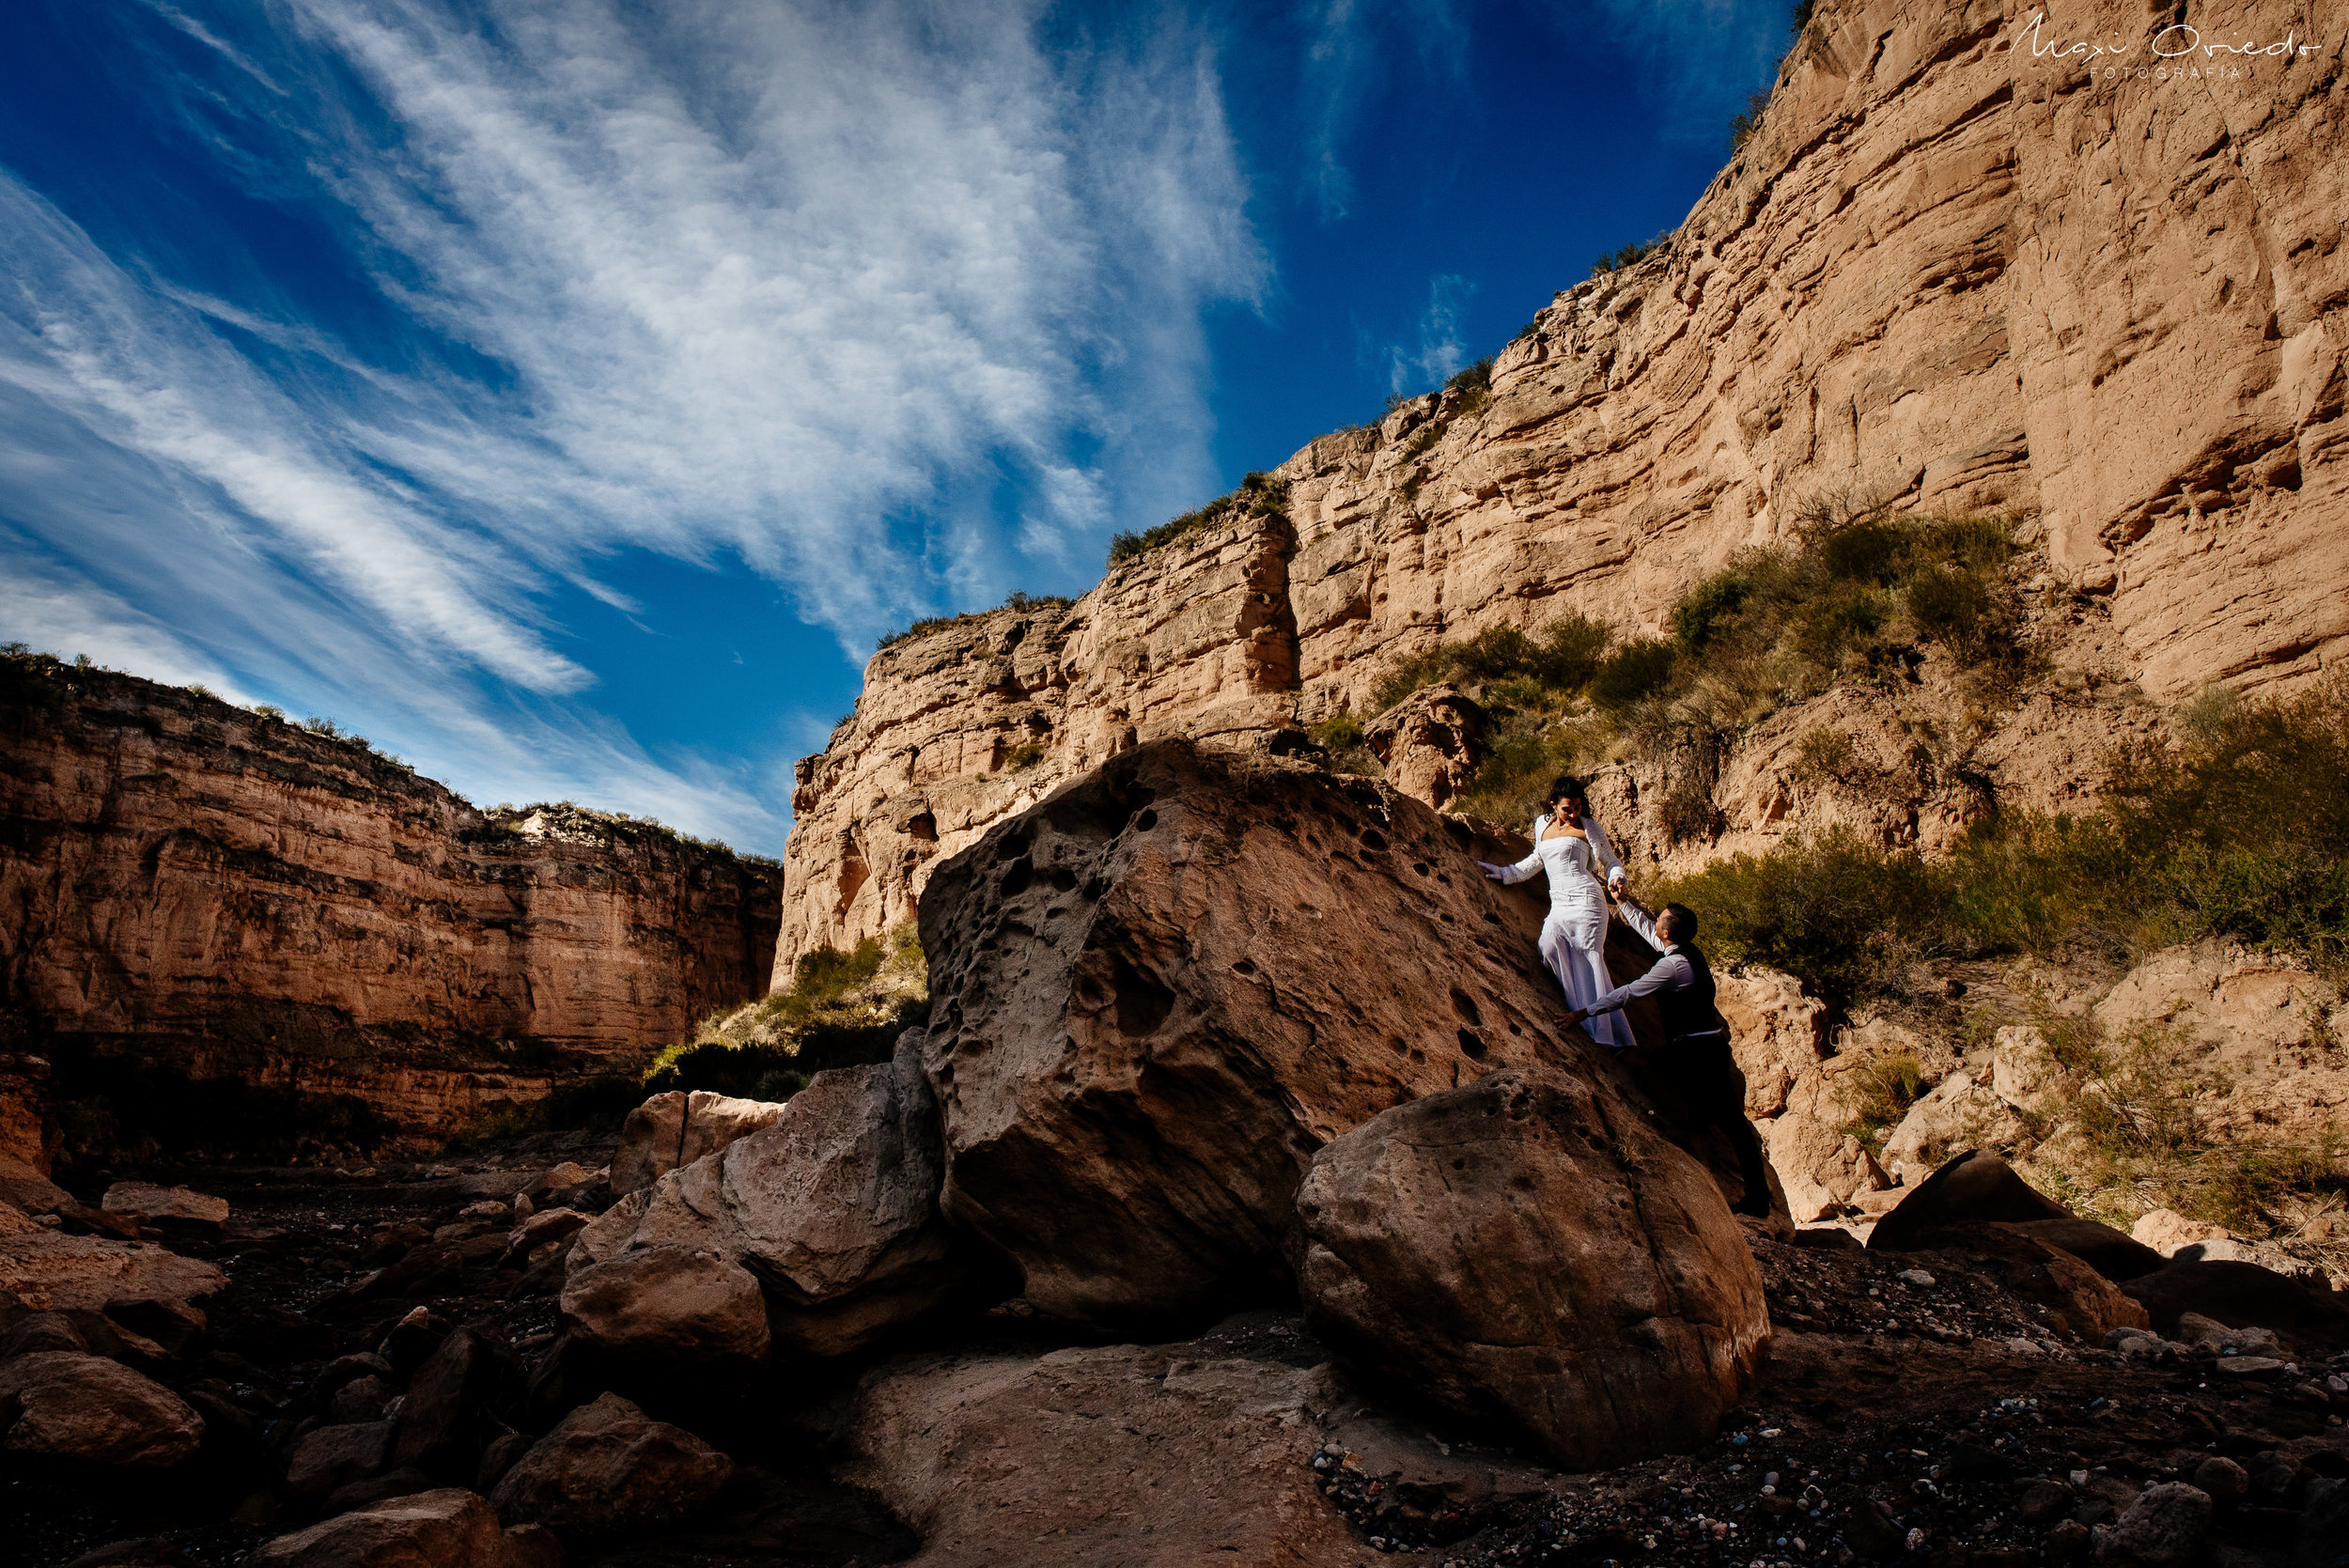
x: 1908, y: 1405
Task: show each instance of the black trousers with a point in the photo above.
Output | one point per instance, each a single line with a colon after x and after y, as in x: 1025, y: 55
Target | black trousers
x: 1706, y: 1075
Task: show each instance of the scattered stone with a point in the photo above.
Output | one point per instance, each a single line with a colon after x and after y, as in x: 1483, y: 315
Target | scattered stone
x: 165, y: 1206
x: 362, y: 1399
x: 445, y: 1528
x: 2222, y: 1479
x: 451, y: 1404
x: 2238, y: 1294
x: 151, y: 1551
x: 607, y: 1466
x: 67, y: 1406
x: 2166, y: 1230
x: 669, y: 1307
x: 49, y: 1272
x: 332, y: 1456
x: 2162, y: 1529
x: 375, y: 1489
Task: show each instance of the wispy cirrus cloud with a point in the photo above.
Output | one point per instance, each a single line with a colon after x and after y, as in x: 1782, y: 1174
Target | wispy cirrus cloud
x: 1703, y: 57
x: 1347, y: 54
x: 889, y: 303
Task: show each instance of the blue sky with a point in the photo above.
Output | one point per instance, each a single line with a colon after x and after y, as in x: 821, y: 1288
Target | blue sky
x: 567, y: 394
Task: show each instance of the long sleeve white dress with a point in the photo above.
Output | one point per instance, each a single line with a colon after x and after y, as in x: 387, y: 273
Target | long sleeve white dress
x: 1574, y: 936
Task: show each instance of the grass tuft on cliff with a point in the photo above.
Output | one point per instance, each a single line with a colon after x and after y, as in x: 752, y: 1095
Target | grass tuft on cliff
x: 1856, y: 596
x: 1259, y: 495
x: 2238, y: 828
x: 842, y: 1008
x: 1025, y: 603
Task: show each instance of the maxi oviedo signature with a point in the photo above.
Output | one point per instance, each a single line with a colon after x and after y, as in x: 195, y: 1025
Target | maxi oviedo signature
x: 2176, y: 49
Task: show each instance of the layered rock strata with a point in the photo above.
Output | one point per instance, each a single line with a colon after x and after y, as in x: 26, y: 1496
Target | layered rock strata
x: 1950, y: 268
x: 203, y: 888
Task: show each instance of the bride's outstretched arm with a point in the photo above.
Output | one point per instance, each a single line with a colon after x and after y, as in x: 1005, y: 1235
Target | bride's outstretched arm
x: 1517, y: 873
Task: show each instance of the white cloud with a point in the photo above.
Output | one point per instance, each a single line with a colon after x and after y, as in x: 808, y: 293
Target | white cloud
x: 809, y: 286
x: 1344, y: 62
x: 1437, y: 350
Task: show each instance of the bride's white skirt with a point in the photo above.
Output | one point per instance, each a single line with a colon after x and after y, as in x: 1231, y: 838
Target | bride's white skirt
x: 1574, y: 943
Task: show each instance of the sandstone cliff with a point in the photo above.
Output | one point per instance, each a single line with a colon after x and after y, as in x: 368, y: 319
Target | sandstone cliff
x: 210, y: 891
x: 1945, y: 270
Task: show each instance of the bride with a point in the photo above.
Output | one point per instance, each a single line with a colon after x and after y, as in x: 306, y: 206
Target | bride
x: 1567, y: 844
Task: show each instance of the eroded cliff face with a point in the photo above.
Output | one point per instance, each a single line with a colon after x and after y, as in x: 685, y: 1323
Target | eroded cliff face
x: 194, y: 887
x: 1948, y: 269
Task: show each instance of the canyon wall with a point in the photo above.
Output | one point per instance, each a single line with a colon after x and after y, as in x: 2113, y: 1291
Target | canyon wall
x: 1953, y: 267
x: 207, y: 891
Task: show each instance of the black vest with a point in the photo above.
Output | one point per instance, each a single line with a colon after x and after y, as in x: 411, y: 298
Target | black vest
x: 1688, y: 1009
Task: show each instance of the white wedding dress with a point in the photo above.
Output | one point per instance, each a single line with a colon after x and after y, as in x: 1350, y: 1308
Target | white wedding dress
x: 1574, y: 936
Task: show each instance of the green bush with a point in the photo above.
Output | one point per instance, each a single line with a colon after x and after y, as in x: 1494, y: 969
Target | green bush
x: 1639, y: 250
x: 1843, y: 916
x: 1025, y: 603
x: 1633, y: 673
x: 1562, y: 659
x: 843, y: 1008
x: 1259, y: 495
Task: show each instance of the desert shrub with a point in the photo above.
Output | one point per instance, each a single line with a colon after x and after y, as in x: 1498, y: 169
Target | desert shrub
x: 843, y: 1008
x: 1341, y: 735
x: 1843, y: 916
x: 1259, y: 495
x: 1879, y: 1093
x: 1745, y: 121
x: 1708, y: 604
x: 1471, y: 378
x: 1024, y: 602
x: 1823, y: 754
x: 1026, y: 754
x: 1639, y: 250
x: 2241, y: 830
x: 1561, y: 660
x: 1638, y: 670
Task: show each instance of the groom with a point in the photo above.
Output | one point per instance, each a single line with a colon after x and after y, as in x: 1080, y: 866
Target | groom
x: 1696, y: 1037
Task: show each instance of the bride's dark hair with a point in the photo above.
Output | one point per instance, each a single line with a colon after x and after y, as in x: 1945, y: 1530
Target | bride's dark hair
x: 1567, y: 787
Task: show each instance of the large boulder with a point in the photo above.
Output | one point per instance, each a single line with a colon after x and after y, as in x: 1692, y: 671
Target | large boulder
x: 60, y: 1404
x: 833, y: 1209
x: 2241, y: 1296
x: 1525, y: 1251
x: 328, y: 1457
x: 151, y: 1204
x: 607, y: 1466
x: 1157, y: 994
x: 1972, y: 1188
x: 447, y: 1528
x: 454, y: 1402
x: 675, y: 1129
x: 667, y: 1309
x: 50, y: 1272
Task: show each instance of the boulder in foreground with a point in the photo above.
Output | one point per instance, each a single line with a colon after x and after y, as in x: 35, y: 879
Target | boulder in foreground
x: 833, y: 1209
x: 1157, y: 994
x: 607, y: 1466
x: 1526, y: 1250
x: 66, y: 1406
x: 447, y: 1528
x: 667, y: 1308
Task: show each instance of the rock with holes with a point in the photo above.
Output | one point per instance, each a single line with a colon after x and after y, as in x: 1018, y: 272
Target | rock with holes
x: 1159, y: 993
x: 676, y: 1129
x: 833, y: 1208
x: 1526, y: 1250
x: 1431, y: 742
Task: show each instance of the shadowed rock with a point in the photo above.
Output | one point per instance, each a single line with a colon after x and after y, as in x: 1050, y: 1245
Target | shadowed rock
x: 66, y: 1406
x: 1528, y: 1251
x: 447, y: 1528
x: 675, y: 1129
x: 1159, y: 992
x: 607, y: 1466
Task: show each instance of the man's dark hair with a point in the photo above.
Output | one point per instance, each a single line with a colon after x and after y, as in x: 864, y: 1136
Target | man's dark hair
x: 1678, y: 921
